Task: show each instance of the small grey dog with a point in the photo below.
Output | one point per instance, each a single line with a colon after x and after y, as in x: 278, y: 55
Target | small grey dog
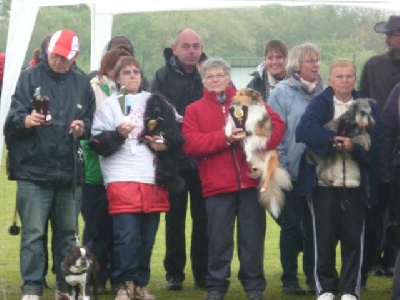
x: 353, y: 124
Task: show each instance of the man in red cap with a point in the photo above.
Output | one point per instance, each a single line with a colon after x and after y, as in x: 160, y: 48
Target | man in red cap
x: 43, y: 158
x: 380, y: 74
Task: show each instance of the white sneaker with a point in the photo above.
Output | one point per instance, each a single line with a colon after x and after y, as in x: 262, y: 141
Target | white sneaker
x: 326, y: 296
x: 30, y: 297
x: 348, y: 297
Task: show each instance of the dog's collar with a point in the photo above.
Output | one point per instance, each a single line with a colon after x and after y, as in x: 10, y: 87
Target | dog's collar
x: 74, y: 270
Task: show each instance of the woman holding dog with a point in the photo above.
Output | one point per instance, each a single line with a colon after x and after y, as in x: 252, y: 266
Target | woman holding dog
x: 290, y: 99
x: 127, y: 164
x: 338, y: 206
x: 229, y: 191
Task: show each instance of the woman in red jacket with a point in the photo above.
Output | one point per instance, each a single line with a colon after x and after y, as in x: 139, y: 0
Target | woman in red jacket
x: 230, y: 193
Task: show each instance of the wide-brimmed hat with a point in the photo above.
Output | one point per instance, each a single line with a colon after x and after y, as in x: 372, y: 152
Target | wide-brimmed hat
x: 391, y: 25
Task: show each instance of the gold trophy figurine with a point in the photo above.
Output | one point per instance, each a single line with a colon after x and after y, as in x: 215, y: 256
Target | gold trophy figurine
x: 239, y: 116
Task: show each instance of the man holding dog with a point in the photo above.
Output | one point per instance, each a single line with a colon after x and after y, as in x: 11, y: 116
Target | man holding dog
x: 42, y: 159
x: 180, y: 82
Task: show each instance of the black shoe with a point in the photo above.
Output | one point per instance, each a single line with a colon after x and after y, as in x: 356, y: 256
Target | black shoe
x: 214, y: 295
x: 174, y: 284
x: 200, y: 284
x: 255, y: 295
x: 293, y: 290
x: 311, y: 289
x: 389, y: 271
x: 377, y: 271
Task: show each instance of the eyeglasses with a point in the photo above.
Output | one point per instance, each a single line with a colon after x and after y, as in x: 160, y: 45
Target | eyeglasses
x: 216, y: 76
x: 130, y: 72
x: 312, y: 61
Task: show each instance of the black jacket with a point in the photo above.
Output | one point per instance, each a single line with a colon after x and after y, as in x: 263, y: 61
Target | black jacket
x: 379, y: 76
x: 311, y: 132
x: 180, y: 88
x: 44, y: 154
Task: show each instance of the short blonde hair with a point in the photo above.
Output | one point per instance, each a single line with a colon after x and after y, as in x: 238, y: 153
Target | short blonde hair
x: 297, y: 55
x: 342, y: 63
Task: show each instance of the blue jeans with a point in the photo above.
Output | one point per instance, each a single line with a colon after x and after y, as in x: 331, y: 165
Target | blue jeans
x: 35, y: 204
x: 134, y: 235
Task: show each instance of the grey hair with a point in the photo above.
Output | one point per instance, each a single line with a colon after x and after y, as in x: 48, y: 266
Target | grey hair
x: 297, y: 55
x: 213, y: 63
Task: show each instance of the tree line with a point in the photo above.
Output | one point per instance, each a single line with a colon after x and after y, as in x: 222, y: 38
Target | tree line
x: 237, y: 35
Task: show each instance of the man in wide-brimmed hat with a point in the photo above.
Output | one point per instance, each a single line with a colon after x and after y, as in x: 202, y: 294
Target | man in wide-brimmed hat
x: 380, y: 74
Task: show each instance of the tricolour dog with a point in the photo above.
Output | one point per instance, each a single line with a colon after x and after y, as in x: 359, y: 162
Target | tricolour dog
x: 352, y: 124
x: 80, y: 269
x: 263, y: 164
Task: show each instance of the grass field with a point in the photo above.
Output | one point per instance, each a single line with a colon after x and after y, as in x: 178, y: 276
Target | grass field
x: 10, y: 281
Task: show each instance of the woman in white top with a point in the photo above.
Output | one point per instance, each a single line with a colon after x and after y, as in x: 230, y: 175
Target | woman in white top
x: 128, y: 168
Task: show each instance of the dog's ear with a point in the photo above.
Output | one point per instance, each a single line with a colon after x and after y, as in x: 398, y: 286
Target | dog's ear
x: 255, y: 95
x: 371, y: 101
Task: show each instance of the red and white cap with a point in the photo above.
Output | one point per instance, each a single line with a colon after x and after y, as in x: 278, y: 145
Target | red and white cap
x: 64, y: 43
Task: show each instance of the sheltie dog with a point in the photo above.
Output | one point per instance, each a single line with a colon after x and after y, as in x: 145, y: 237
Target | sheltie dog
x: 262, y: 163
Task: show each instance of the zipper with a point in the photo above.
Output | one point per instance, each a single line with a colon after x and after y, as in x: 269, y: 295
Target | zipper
x: 233, y: 155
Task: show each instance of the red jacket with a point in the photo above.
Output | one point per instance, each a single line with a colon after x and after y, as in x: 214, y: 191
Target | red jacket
x: 222, y: 167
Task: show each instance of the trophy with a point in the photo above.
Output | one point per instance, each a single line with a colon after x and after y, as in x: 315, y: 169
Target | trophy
x: 41, y: 105
x: 126, y: 109
x: 239, y: 116
x: 151, y: 128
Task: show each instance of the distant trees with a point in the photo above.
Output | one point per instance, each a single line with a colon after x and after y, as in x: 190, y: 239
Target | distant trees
x: 234, y: 34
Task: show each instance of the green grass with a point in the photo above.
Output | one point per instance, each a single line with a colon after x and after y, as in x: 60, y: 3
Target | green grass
x: 10, y: 281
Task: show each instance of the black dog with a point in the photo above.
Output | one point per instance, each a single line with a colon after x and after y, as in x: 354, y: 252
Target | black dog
x: 160, y: 120
x: 80, y: 269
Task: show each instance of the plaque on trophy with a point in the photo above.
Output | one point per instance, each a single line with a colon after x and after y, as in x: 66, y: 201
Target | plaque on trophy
x: 41, y: 105
x: 239, y: 116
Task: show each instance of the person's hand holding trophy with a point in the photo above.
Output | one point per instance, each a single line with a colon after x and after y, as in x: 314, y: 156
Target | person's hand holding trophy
x: 41, y: 114
x: 41, y: 105
x: 239, y: 116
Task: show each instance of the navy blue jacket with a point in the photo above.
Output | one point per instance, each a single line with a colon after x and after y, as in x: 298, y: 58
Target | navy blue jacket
x: 311, y: 132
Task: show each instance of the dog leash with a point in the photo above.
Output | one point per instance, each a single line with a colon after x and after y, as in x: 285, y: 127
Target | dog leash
x: 344, y: 202
x: 78, y: 159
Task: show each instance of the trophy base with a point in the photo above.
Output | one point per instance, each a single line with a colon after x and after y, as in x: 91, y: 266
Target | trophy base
x: 241, y: 133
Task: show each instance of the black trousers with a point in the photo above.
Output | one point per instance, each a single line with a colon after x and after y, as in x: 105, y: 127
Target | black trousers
x: 175, y: 256
x: 296, y: 236
x: 338, y: 220
x: 98, y: 227
x: 224, y: 211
